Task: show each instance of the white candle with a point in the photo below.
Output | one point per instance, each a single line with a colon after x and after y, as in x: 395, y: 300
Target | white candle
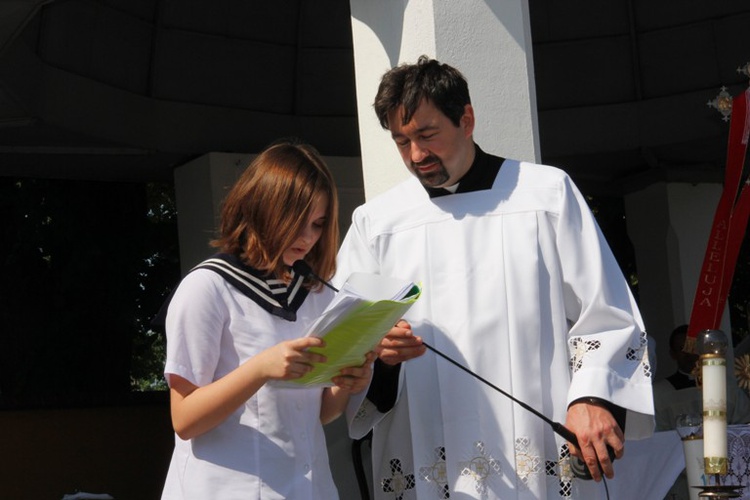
x: 693, y: 450
x: 714, y: 413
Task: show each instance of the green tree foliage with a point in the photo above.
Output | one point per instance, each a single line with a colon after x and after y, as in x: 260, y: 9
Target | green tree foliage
x: 85, y: 265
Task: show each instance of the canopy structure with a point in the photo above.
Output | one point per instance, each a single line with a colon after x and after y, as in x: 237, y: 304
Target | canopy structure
x: 129, y: 90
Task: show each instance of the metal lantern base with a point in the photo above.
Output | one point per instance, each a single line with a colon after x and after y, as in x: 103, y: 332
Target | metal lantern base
x: 720, y: 491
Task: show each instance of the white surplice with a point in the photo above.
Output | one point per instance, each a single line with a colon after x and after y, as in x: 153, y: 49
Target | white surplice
x: 520, y: 286
x: 271, y: 447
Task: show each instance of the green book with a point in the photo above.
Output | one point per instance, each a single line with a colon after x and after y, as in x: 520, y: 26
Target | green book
x: 359, y: 316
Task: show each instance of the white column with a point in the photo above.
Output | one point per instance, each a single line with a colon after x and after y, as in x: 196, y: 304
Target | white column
x: 489, y: 41
x: 200, y: 187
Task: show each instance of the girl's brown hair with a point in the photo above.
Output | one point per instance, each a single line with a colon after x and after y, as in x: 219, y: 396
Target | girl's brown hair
x: 269, y: 204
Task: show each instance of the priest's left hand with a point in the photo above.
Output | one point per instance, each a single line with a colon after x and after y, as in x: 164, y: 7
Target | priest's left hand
x: 400, y: 344
x: 595, y: 428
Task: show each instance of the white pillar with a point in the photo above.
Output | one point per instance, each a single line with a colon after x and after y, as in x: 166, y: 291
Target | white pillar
x: 200, y: 187
x: 489, y: 41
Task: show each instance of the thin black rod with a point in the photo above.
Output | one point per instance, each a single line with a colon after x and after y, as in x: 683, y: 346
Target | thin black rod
x: 303, y: 268
x: 556, y: 426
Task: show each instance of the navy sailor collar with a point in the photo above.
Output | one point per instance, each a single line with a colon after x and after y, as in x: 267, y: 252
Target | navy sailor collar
x: 268, y: 292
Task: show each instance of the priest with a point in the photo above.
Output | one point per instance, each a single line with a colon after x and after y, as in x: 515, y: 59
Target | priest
x: 519, y: 286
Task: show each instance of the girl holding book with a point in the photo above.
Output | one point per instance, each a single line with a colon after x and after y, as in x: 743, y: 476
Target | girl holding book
x: 235, y: 326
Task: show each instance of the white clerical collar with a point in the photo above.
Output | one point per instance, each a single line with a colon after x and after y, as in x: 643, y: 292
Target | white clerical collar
x: 452, y: 188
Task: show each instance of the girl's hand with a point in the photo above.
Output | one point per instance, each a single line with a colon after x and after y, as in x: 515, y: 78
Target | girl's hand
x: 290, y: 359
x: 354, y: 379
x: 196, y: 410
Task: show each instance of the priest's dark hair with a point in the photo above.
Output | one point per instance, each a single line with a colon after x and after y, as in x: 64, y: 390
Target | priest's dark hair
x: 270, y: 203
x: 408, y: 85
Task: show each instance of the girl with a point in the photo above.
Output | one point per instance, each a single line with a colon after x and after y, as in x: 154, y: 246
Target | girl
x: 236, y: 323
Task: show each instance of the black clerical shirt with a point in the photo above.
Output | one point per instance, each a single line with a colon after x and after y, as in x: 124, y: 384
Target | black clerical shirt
x: 480, y: 176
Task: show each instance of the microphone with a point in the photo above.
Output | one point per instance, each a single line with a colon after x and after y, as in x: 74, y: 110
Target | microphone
x: 303, y: 268
x: 577, y: 465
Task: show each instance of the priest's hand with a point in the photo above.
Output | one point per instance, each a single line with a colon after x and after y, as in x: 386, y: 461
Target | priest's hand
x: 400, y: 345
x: 595, y: 428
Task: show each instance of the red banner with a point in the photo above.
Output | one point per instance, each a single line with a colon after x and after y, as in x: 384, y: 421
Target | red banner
x: 727, y: 231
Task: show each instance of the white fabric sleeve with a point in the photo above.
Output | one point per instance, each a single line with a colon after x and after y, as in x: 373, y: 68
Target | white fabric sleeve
x: 607, y: 339
x: 194, y: 325
x: 362, y: 415
x: 355, y: 253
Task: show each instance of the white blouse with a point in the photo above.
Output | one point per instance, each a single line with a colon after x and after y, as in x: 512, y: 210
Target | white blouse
x: 273, y: 447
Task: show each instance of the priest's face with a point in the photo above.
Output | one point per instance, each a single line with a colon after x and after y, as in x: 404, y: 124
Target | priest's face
x: 435, y: 150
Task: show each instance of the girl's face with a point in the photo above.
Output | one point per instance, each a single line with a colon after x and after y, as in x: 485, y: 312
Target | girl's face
x: 310, y: 233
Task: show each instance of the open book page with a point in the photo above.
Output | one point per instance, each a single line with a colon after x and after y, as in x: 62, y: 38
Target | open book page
x: 378, y: 287
x: 359, y: 316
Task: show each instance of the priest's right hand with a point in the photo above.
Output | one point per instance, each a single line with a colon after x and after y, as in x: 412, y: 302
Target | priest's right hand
x: 399, y: 345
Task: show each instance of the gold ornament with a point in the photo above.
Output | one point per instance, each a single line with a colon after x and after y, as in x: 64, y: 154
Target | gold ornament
x: 742, y: 371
